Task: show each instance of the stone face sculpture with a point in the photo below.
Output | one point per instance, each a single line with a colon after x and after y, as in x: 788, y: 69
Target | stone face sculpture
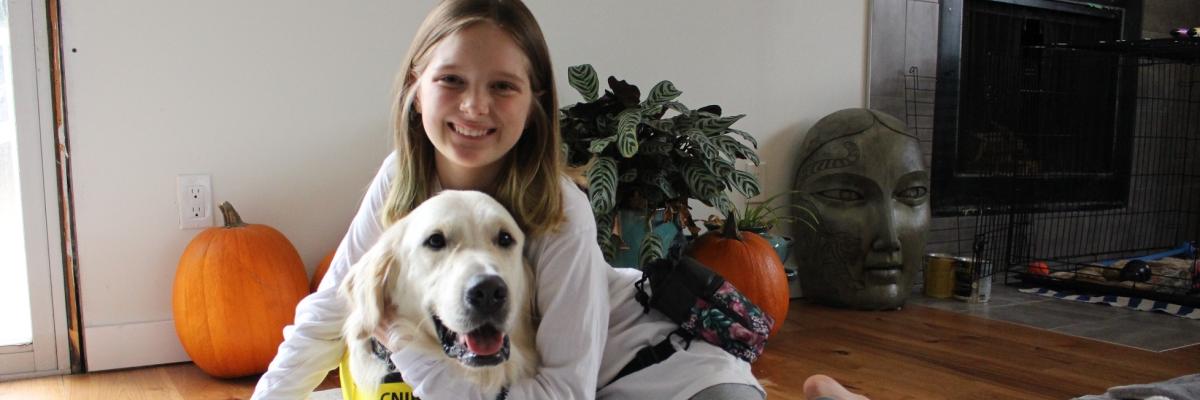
x: 862, y: 174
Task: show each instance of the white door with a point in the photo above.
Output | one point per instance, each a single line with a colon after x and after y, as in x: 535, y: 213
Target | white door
x: 33, y: 329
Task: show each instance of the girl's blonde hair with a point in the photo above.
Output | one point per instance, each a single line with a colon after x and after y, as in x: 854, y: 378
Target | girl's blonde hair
x: 528, y: 182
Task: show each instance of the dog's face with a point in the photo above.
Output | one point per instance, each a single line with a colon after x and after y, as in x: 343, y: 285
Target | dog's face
x: 467, y: 251
x: 452, y: 271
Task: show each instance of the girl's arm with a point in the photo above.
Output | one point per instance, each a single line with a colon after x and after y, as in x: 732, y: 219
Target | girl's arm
x: 313, y: 344
x: 572, y: 296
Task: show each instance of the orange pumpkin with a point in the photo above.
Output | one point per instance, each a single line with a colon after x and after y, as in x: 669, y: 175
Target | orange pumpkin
x: 748, y: 262
x: 319, y: 273
x: 236, y: 287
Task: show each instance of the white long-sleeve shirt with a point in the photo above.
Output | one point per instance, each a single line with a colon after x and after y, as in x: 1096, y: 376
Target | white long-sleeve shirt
x: 591, y: 325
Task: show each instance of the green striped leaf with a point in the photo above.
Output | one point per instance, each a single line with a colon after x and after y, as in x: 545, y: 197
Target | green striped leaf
x: 608, y: 247
x: 604, y: 236
x: 709, y: 111
x: 604, y: 222
x: 606, y: 124
x: 699, y: 140
x: 751, y: 156
x: 629, y: 175
x: 583, y: 79
x: 702, y: 182
x: 721, y: 202
x: 652, y: 248
x: 678, y: 107
x: 602, y: 185
x: 732, y: 148
x: 661, y: 125
x: 664, y: 185
x: 719, y: 167
x: 661, y: 93
x: 627, y: 123
x: 684, y: 121
x: 651, y: 112
x: 599, y: 145
x: 736, y: 149
x: 745, y: 183
x: 713, y: 126
x: 747, y: 137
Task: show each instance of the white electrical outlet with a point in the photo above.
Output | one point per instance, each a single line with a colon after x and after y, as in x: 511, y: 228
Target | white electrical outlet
x: 194, y: 193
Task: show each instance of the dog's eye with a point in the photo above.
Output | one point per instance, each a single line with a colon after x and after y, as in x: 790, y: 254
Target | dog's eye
x: 504, y: 239
x: 436, y: 241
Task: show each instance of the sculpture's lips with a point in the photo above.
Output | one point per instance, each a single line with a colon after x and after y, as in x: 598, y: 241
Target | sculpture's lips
x: 882, y: 273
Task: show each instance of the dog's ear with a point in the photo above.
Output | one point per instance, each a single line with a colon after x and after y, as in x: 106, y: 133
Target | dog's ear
x: 365, y: 286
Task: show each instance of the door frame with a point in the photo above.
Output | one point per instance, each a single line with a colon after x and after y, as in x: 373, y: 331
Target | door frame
x: 49, y: 354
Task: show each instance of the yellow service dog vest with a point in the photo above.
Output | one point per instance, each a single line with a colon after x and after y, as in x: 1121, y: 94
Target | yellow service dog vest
x: 392, y: 388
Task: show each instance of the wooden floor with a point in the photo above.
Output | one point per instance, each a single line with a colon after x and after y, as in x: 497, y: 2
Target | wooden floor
x: 915, y: 353
x: 165, y: 382
x: 925, y: 353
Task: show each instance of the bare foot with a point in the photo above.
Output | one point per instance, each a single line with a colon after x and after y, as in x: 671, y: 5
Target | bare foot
x: 821, y: 387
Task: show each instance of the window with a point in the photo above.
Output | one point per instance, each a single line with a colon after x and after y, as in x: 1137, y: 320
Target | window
x: 33, y: 333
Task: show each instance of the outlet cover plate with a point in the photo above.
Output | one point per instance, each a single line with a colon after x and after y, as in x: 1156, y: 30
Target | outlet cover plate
x: 194, y: 196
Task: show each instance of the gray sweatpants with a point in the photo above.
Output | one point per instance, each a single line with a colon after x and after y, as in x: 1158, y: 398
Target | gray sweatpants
x: 729, y: 391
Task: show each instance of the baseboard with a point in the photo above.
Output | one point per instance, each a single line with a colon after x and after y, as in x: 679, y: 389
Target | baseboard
x: 132, y: 345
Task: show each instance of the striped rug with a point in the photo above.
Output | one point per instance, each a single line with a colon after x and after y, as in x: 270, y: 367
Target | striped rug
x: 1122, y: 301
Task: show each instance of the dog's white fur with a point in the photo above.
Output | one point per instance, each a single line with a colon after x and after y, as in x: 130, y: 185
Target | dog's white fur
x: 402, y: 276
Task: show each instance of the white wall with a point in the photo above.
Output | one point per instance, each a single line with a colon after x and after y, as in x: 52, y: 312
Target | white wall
x: 285, y: 104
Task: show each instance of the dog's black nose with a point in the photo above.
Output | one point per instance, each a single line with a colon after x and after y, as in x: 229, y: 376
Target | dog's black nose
x: 486, y: 293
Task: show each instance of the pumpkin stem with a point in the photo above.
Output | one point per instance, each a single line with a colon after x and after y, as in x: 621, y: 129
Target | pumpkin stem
x: 730, y: 230
x: 232, y: 219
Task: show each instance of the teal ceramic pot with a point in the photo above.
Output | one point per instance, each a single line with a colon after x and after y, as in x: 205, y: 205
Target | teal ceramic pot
x: 781, y: 244
x: 793, y: 278
x: 633, y: 230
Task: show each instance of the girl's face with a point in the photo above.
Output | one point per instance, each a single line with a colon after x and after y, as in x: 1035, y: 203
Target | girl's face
x: 474, y: 97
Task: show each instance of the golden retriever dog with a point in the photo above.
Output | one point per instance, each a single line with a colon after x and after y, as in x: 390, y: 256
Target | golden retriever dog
x: 451, y: 277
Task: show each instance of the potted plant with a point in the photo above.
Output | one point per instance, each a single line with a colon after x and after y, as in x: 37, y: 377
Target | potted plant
x: 648, y: 157
x: 760, y: 217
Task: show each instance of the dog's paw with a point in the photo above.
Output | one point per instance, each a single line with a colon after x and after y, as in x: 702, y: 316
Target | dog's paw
x: 392, y: 336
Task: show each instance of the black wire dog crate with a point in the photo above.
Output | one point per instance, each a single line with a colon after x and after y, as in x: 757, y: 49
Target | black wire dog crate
x: 1084, y: 167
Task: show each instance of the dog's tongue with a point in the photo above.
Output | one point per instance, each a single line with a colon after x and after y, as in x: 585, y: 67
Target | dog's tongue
x: 485, y: 341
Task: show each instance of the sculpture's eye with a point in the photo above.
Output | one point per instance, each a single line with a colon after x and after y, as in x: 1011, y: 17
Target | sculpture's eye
x: 913, y: 196
x: 841, y: 195
x: 914, y: 192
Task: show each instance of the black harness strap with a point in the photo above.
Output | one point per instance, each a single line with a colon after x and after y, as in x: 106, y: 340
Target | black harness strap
x: 647, y: 356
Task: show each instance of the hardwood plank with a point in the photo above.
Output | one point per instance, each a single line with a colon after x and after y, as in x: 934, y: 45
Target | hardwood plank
x: 131, y: 384
x: 192, y: 383
x: 172, y: 381
x: 919, y: 353
x: 914, y: 353
x: 38, y: 388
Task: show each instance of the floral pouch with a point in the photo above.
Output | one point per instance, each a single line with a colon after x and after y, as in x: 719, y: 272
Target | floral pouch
x: 705, y: 306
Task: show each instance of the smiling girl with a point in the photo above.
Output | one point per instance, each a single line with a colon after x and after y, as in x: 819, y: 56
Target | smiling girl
x: 476, y: 109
